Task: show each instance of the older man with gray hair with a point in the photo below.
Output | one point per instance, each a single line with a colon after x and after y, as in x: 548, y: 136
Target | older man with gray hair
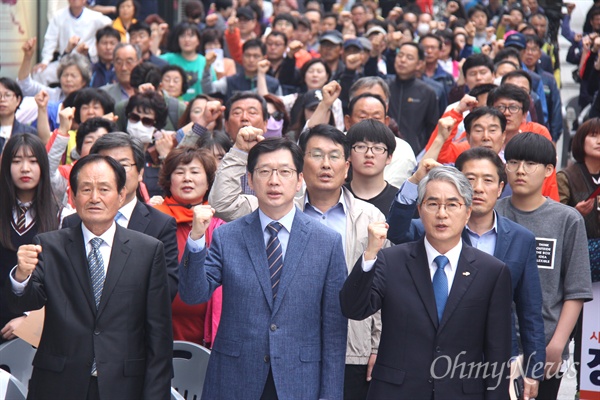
x: 126, y: 58
x: 445, y: 305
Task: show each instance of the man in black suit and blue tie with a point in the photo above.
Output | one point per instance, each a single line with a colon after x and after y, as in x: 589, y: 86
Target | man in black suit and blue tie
x: 445, y: 306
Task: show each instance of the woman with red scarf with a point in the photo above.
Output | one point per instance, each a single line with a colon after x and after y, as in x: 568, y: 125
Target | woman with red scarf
x: 186, y: 177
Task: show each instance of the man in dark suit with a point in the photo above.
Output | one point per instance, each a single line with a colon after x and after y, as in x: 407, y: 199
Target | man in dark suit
x: 107, y: 332
x: 495, y: 235
x: 134, y: 214
x: 282, y: 333
x: 445, y: 306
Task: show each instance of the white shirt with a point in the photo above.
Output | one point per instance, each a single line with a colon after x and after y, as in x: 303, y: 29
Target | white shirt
x: 107, y: 241
x: 5, y: 131
x: 64, y: 25
x: 126, y: 212
x: 453, y: 255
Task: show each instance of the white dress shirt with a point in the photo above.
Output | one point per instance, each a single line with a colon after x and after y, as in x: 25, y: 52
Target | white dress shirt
x: 126, y: 212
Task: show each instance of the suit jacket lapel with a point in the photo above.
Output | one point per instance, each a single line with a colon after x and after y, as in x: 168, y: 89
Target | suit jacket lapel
x: 254, y: 238
x: 76, y: 248
x: 118, y: 259
x: 465, y: 273
x: 502, y: 239
x: 139, y: 218
x: 296, y: 245
x: 418, y: 267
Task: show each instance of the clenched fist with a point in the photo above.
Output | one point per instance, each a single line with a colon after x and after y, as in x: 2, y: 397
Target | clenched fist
x: 248, y: 137
x: 377, y: 236
x: 202, y: 216
x: 27, y: 259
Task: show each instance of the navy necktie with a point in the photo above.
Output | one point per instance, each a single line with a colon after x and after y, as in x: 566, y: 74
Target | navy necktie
x: 274, y: 255
x: 440, y: 285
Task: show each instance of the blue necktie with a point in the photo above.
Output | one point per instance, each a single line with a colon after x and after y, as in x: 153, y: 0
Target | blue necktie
x: 96, y: 265
x: 274, y: 255
x: 440, y: 285
x: 119, y: 215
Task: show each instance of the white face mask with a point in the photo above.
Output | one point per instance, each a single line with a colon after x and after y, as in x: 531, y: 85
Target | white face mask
x: 423, y: 29
x: 140, y: 131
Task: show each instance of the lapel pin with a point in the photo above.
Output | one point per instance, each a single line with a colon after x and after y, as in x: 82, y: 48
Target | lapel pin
x: 466, y: 273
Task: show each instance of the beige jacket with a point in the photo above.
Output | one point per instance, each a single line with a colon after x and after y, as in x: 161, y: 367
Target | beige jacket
x: 229, y: 203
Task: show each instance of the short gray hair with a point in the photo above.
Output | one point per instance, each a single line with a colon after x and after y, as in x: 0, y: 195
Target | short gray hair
x: 137, y: 48
x: 368, y: 82
x: 82, y: 63
x: 450, y: 175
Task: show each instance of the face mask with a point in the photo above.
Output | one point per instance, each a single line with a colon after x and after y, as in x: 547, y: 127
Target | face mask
x: 423, y: 29
x: 498, y: 81
x: 138, y: 130
x: 274, y: 127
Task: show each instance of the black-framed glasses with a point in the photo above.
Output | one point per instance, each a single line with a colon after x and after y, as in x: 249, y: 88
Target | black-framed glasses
x: 146, y: 121
x: 363, y: 149
x: 512, y: 109
x: 127, y: 166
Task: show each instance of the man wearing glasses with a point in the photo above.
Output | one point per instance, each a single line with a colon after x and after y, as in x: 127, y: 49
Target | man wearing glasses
x: 282, y: 333
x: 513, y: 102
x: 446, y: 305
x: 372, y: 145
x: 561, y: 250
x: 326, y: 153
x: 491, y: 233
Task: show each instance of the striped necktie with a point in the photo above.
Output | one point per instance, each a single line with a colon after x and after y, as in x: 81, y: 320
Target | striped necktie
x: 21, y: 219
x: 96, y: 265
x: 274, y: 255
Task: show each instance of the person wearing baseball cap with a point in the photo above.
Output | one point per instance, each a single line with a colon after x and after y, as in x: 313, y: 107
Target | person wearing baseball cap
x: 331, y: 50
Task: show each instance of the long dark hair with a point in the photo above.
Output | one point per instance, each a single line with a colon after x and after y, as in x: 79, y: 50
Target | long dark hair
x: 44, y: 205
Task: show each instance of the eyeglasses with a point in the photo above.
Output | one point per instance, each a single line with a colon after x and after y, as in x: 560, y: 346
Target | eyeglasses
x: 528, y: 166
x: 130, y: 62
x: 265, y: 173
x: 434, y: 206
x: 7, y: 96
x: 363, y: 149
x: 127, y: 167
x: 512, y: 109
x: 319, y: 155
x: 133, y: 117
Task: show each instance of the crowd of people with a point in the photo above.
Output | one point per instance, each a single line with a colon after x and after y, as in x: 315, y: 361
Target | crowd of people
x: 275, y: 179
